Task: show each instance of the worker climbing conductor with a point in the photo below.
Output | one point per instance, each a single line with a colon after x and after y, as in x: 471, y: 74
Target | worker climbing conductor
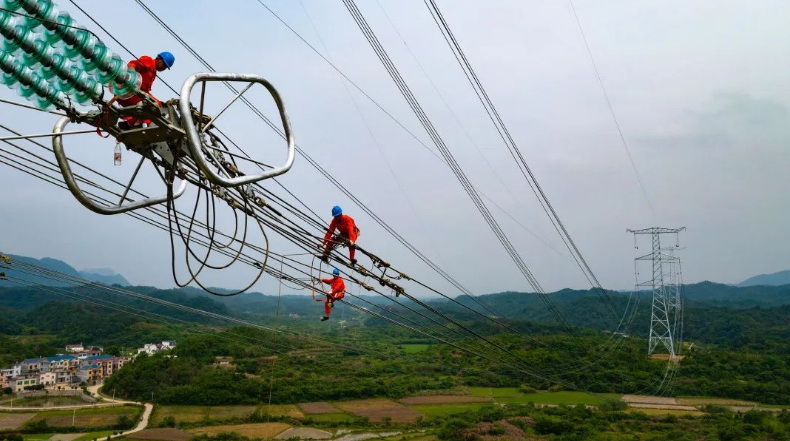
x: 337, y: 293
x: 347, y: 234
x: 147, y: 67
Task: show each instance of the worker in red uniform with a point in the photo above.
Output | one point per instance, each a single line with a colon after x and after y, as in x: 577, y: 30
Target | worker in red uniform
x: 337, y: 293
x: 347, y: 233
x: 147, y: 67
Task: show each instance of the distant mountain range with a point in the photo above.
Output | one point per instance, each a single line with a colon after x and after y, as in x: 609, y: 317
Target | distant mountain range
x: 775, y: 279
x: 100, y: 275
x: 769, y: 290
x: 714, y: 312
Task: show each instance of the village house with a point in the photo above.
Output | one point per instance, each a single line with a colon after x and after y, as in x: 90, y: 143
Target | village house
x: 31, y: 365
x: 78, y: 365
x: 153, y: 348
x: 61, y: 371
x: 224, y: 363
x: 6, y: 374
x: 48, y: 379
x: 92, y: 352
x: 64, y: 379
x: 75, y: 348
x: 62, y: 362
x: 18, y: 384
x: 89, y: 373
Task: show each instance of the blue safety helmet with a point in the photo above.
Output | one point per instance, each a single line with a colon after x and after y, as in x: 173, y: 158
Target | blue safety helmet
x: 336, y: 272
x: 336, y: 211
x: 168, y: 58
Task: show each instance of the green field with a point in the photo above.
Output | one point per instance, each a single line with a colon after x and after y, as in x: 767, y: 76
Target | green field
x: 495, y: 392
x: 37, y: 437
x: 511, y: 395
x: 438, y: 410
x: 93, y: 435
x: 94, y: 418
x: 114, y: 410
x: 414, y: 348
x: 195, y: 414
x: 48, y: 401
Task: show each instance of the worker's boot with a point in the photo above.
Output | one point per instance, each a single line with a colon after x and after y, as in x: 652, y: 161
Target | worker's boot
x: 324, y: 318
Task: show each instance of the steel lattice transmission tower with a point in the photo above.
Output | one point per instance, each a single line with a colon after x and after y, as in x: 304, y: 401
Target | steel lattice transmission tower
x: 665, y: 282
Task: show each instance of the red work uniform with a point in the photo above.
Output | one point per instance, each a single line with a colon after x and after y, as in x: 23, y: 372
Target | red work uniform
x: 146, y: 67
x: 348, y: 230
x: 338, y: 292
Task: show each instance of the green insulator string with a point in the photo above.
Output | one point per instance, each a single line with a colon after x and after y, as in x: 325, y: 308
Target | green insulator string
x: 30, y: 85
x: 38, y: 52
x: 83, y: 47
x: 62, y: 55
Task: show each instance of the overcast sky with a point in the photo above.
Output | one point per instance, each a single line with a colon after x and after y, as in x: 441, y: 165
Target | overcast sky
x: 700, y: 90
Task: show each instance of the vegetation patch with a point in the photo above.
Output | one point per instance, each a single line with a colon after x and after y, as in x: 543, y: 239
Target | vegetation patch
x: 37, y: 437
x: 65, y: 436
x: 440, y: 410
x: 444, y: 399
x: 495, y: 392
x: 320, y: 407
x: 380, y: 410
x: 568, y: 398
x: 701, y: 401
x: 93, y: 435
x: 647, y: 411
x: 49, y: 401
x: 334, y: 418
x: 207, y: 415
x: 414, y: 348
x: 494, y: 431
x: 229, y: 412
x: 281, y: 410
x: 11, y: 421
x: 163, y: 434
x: 104, y: 417
x: 259, y: 430
x: 181, y: 414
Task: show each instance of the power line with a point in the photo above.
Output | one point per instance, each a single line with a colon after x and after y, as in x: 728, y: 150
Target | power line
x: 282, y: 276
x: 611, y: 109
x: 433, y: 310
x: 440, y: 144
x: 514, y: 150
x: 331, y: 178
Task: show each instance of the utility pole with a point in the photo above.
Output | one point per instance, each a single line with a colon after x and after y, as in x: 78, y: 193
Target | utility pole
x: 665, y: 283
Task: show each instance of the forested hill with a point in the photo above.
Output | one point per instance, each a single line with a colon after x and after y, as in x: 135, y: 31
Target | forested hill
x: 710, y: 293
x: 103, y: 275
x: 775, y: 279
x: 580, y: 307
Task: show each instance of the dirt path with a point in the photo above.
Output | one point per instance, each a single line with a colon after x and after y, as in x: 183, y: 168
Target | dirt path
x: 148, y: 409
x: 141, y: 425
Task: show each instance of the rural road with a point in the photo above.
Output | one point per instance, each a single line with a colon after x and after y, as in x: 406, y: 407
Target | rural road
x: 148, y: 409
x: 94, y: 392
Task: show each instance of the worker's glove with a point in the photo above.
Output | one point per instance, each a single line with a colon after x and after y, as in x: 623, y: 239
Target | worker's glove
x: 351, y: 243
